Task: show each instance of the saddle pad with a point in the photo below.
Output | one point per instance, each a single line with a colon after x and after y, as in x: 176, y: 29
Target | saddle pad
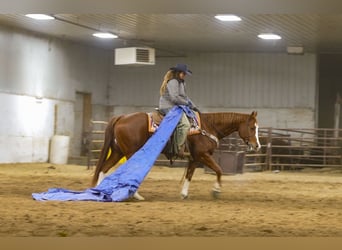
x: 155, y: 118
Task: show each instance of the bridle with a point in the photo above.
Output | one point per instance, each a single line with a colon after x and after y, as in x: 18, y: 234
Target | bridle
x: 247, y: 138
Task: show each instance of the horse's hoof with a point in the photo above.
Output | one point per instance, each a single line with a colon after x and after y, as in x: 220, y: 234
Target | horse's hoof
x: 138, y: 197
x: 216, y: 194
x: 184, y: 196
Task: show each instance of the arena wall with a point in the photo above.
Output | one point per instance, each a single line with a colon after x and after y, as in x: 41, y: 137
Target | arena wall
x: 39, y: 78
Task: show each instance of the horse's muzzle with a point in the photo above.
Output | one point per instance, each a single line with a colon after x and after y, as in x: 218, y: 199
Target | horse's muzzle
x: 251, y: 147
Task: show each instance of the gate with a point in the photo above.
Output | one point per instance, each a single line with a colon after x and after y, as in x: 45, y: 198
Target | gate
x: 95, y: 141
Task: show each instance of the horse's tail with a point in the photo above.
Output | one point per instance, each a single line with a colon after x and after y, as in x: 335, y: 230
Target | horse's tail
x: 108, y: 142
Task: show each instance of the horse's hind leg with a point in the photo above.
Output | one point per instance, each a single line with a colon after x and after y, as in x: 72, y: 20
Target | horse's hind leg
x: 209, y: 161
x: 113, y: 159
x: 109, y: 163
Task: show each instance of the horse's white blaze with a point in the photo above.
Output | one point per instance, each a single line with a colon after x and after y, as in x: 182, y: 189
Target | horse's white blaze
x: 185, y: 188
x: 257, y: 135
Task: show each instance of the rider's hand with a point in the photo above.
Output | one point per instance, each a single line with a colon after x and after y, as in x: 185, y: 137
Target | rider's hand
x: 196, y: 109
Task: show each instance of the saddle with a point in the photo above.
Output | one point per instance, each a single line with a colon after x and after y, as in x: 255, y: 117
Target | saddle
x: 154, y: 120
x: 156, y: 117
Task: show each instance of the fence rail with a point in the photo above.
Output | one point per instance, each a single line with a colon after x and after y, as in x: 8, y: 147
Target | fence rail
x: 297, y: 149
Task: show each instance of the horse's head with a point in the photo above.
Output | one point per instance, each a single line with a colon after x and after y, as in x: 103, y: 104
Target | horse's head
x: 248, y: 131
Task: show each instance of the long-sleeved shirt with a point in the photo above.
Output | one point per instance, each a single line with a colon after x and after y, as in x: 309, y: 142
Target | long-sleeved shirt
x: 174, y: 94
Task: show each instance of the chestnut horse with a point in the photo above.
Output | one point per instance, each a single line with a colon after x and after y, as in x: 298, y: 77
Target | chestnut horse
x: 126, y: 134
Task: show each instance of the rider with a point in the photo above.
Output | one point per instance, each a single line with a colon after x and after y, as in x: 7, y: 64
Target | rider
x: 172, y: 92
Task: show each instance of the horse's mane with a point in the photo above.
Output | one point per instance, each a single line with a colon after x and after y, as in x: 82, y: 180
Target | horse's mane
x: 224, y: 117
x: 223, y: 123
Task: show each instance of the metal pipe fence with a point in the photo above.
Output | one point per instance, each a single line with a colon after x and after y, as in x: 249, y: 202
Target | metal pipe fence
x: 292, y: 149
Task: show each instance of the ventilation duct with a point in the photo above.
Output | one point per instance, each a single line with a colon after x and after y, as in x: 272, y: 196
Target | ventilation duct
x: 134, y: 56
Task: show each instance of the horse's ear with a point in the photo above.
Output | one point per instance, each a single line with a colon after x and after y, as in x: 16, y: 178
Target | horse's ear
x: 254, y: 113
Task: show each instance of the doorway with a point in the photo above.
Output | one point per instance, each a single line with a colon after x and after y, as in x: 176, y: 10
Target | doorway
x: 83, y: 114
x: 330, y: 87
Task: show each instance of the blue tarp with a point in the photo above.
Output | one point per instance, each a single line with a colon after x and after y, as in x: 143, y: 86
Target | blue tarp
x: 126, y: 179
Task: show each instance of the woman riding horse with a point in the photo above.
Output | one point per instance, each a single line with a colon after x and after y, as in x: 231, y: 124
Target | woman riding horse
x: 172, y: 92
x: 126, y: 134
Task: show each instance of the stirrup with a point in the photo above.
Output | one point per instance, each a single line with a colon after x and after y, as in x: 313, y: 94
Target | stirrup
x: 184, y: 152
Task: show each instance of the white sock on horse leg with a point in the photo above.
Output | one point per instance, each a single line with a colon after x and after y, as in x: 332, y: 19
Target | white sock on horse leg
x: 101, y: 177
x: 217, y: 187
x: 185, y: 188
x: 138, y: 196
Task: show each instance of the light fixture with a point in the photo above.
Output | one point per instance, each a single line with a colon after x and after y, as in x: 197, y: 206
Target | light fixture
x: 228, y: 18
x: 105, y: 35
x: 40, y: 16
x: 269, y: 36
x: 296, y: 50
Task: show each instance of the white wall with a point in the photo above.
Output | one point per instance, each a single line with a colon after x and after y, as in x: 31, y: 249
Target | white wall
x: 56, y: 69
x: 31, y: 67
x: 28, y: 125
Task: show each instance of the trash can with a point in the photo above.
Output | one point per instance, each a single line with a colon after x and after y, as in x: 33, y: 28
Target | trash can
x: 231, y: 162
x: 59, y: 150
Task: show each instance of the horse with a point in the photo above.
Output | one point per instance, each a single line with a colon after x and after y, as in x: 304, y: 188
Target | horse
x: 125, y: 134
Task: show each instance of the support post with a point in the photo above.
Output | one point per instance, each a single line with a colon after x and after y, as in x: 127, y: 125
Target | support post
x: 337, y: 115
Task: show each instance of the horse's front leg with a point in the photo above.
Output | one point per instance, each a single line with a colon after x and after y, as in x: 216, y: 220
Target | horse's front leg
x: 188, y: 176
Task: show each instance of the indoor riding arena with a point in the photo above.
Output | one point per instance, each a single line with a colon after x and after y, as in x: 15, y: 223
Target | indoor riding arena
x: 61, y: 86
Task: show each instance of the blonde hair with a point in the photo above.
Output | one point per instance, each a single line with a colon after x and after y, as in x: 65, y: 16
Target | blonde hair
x: 168, y: 76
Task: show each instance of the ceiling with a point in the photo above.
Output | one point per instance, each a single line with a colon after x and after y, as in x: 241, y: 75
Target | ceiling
x: 179, y: 34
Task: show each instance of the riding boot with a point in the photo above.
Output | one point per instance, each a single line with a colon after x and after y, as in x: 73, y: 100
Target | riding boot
x: 181, y: 151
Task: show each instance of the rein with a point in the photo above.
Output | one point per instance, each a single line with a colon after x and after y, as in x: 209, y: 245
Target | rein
x: 211, y: 136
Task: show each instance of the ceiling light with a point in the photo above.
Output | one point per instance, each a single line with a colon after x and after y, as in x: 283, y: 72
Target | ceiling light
x: 105, y: 35
x: 229, y: 18
x: 40, y: 16
x: 269, y: 36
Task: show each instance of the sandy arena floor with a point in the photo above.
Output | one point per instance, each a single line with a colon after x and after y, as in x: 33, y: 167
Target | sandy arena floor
x: 306, y: 203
